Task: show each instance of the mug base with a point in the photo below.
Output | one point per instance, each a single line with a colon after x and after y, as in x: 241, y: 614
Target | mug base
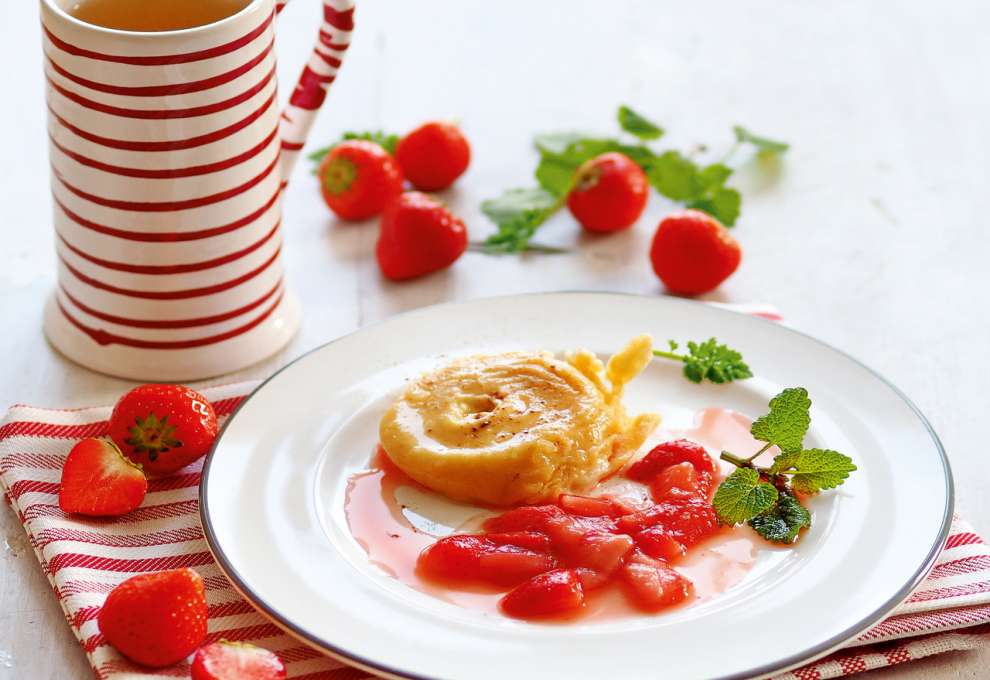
x: 174, y: 365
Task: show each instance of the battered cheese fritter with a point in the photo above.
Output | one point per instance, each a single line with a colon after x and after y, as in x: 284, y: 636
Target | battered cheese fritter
x: 519, y: 427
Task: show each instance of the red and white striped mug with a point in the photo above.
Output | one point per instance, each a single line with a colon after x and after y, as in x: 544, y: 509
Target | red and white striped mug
x: 169, y: 155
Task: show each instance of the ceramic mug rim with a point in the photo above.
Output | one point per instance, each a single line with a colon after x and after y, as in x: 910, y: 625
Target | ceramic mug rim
x: 56, y: 9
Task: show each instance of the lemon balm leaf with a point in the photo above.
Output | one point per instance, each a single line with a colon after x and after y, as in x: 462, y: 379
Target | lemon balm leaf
x: 787, y: 422
x: 782, y: 523
x: 813, y: 470
x: 742, y: 496
x: 517, y: 213
x: 637, y: 125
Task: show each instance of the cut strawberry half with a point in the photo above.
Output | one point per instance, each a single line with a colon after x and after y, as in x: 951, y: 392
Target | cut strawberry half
x: 681, y: 481
x: 671, y: 453
x: 456, y: 557
x: 97, y: 480
x: 507, y: 565
x: 687, y: 521
x: 525, y: 518
x: 236, y: 661
x: 553, y: 593
x: 656, y: 542
x: 652, y: 585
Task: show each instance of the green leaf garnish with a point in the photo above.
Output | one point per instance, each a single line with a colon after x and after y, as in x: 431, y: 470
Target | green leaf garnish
x: 783, y: 522
x: 637, y: 125
x: 742, y: 496
x: 795, y: 470
x: 764, y: 145
x: 709, y: 360
x: 517, y: 213
x: 813, y: 470
x: 787, y: 422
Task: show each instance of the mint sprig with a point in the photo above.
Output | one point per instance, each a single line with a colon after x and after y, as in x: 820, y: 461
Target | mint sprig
x: 708, y: 360
x: 675, y: 175
x: 744, y: 495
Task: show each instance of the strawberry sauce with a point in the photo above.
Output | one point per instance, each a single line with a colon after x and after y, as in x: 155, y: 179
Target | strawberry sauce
x: 393, y: 534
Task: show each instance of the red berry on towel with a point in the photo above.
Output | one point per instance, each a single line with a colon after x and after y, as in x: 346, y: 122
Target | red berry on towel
x: 97, y: 480
x: 609, y: 194
x: 433, y: 155
x: 156, y: 619
x: 693, y: 253
x: 163, y: 427
x: 418, y: 236
x: 236, y: 661
x: 358, y: 179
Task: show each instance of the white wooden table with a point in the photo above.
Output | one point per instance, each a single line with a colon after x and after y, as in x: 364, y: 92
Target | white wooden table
x: 872, y: 234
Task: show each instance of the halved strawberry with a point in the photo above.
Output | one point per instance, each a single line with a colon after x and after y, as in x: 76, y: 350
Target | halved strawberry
x: 533, y: 540
x: 507, y: 565
x: 681, y: 481
x: 555, y: 592
x: 656, y: 542
x: 236, y: 661
x: 525, y: 518
x: 651, y: 584
x: 687, y: 521
x: 97, y: 480
x: 671, y: 453
x: 456, y: 557
x: 601, y: 552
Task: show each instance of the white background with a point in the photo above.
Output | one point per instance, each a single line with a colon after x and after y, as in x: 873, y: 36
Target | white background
x: 871, y: 234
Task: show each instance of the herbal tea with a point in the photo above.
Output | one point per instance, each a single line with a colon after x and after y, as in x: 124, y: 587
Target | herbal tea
x: 154, y: 15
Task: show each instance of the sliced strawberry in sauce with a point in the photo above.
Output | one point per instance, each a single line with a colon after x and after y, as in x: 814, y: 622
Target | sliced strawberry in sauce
x: 651, y: 584
x: 687, y: 521
x: 533, y: 540
x: 671, y: 453
x: 587, y: 506
x: 681, y: 481
x: 591, y: 579
x: 555, y: 592
x: 525, y: 518
x: 508, y: 565
x: 602, y: 552
x: 456, y: 557
x: 656, y: 542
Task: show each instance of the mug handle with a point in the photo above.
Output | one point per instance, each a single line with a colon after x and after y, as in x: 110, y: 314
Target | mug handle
x: 321, y: 70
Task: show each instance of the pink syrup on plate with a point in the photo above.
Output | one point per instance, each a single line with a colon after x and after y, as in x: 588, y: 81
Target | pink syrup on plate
x: 378, y: 522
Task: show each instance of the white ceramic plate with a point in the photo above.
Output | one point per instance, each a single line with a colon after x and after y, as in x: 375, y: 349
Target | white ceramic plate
x: 272, y: 500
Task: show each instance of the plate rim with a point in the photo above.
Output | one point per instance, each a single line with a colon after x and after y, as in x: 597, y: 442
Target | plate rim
x: 792, y: 661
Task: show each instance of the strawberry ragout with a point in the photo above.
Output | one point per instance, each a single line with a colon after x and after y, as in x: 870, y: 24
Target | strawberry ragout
x: 647, y: 540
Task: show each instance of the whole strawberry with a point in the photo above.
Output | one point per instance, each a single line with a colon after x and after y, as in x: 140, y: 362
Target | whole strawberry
x: 609, y: 194
x: 236, y: 661
x: 418, y: 236
x: 156, y: 619
x: 433, y: 155
x: 163, y: 427
x: 97, y: 480
x: 358, y: 178
x: 692, y: 253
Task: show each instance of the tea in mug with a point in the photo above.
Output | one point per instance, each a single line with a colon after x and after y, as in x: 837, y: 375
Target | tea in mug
x: 154, y: 15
